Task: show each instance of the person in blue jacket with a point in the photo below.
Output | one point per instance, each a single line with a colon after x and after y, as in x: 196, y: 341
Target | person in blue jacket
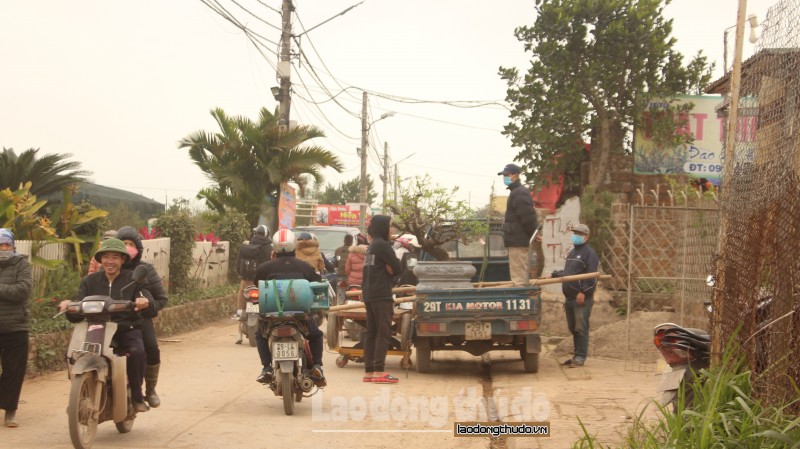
x: 579, y: 294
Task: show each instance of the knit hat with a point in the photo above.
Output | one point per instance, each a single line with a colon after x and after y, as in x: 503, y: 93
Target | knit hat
x: 6, y: 236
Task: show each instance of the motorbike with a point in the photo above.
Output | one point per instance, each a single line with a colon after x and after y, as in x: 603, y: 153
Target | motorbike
x: 99, y: 389
x: 286, y: 332
x: 687, y: 351
x: 248, y: 323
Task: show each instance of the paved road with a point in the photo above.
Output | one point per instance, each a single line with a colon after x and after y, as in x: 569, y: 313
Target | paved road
x: 210, y: 400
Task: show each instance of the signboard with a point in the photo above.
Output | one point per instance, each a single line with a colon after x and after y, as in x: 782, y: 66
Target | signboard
x: 336, y: 215
x: 701, y: 158
x: 287, y: 202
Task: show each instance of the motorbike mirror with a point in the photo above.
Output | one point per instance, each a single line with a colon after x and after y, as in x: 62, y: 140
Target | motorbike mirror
x: 710, y: 281
x: 140, y: 274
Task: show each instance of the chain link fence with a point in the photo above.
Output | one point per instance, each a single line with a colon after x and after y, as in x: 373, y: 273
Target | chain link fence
x: 757, y: 299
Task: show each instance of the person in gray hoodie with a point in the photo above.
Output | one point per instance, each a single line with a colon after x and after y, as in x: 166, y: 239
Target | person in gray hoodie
x: 16, y: 284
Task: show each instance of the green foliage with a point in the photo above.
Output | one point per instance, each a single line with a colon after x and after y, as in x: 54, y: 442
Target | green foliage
x: 47, y: 174
x: 596, y: 213
x: 346, y: 192
x: 122, y: 215
x: 199, y: 294
x: 724, y: 414
x: 234, y: 228
x: 431, y: 213
x: 249, y: 160
x: 178, y: 225
x: 595, y: 65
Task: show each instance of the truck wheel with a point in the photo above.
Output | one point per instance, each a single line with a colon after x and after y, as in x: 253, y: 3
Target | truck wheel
x: 423, y: 346
x: 531, y: 362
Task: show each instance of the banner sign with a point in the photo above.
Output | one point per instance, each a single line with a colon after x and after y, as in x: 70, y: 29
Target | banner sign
x: 287, y: 202
x: 701, y: 158
x: 336, y: 215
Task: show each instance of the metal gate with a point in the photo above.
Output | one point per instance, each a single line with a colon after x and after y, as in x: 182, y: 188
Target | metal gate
x: 659, y: 258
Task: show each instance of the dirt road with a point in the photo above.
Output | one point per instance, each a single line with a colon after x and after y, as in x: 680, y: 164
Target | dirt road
x: 211, y: 400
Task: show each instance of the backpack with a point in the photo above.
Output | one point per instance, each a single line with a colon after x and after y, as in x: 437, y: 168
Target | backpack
x: 250, y: 257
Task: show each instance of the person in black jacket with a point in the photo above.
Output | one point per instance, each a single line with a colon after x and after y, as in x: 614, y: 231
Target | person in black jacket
x: 133, y: 243
x: 251, y: 255
x: 285, y: 265
x: 112, y: 280
x: 518, y: 225
x: 380, y: 266
x: 16, y: 284
x: 579, y: 294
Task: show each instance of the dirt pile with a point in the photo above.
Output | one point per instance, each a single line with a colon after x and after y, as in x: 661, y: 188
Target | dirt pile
x: 611, y: 340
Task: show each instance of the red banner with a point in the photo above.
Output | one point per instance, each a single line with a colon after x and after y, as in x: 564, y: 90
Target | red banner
x: 336, y: 215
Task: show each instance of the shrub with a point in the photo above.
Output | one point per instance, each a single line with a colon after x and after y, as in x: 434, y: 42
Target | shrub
x: 178, y: 225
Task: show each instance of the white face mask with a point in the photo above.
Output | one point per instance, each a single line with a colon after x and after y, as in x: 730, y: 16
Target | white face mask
x: 5, y: 255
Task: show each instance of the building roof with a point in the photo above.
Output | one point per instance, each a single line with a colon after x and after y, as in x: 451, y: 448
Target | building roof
x: 757, y: 65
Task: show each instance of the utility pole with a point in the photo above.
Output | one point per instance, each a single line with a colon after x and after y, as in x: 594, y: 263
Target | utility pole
x: 285, y: 65
x: 362, y: 197
x: 385, y: 173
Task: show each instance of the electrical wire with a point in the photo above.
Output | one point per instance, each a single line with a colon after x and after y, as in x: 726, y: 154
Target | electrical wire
x: 256, y: 16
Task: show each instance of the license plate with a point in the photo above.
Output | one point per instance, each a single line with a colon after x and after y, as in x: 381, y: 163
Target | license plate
x: 284, y: 351
x: 477, y: 330
x: 252, y: 307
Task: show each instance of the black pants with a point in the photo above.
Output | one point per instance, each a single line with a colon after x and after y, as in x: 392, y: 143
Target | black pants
x: 379, y: 331
x: 14, y: 360
x: 315, y: 337
x: 150, y: 342
x: 130, y: 342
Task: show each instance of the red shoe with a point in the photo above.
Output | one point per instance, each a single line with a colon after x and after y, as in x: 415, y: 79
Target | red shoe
x: 385, y: 379
x: 368, y: 379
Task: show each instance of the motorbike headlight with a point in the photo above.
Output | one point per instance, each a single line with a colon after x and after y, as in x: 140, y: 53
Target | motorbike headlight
x: 92, y: 306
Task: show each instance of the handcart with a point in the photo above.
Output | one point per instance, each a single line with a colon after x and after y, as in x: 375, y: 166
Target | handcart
x: 342, y: 317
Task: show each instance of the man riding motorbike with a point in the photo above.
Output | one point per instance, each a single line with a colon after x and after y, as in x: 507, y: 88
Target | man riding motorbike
x: 285, y: 265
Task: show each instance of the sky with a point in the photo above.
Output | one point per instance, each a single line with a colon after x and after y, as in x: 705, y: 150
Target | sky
x: 118, y: 84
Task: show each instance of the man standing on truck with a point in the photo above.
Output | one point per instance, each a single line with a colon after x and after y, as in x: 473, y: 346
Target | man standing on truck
x: 518, y: 225
x: 579, y: 294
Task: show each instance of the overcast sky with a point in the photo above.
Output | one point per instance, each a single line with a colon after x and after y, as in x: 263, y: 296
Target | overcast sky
x: 118, y: 84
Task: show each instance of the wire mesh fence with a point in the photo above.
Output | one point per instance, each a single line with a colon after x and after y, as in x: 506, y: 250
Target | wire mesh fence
x: 757, y: 301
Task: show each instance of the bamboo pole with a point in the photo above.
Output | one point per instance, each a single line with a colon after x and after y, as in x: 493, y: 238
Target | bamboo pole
x: 360, y: 305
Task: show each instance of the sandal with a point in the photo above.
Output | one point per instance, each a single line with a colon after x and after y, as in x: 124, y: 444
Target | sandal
x: 385, y: 379
x: 368, y: 379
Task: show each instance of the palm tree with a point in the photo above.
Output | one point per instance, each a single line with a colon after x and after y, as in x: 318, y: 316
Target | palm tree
x: 249, y: 160
x: 48, y: 174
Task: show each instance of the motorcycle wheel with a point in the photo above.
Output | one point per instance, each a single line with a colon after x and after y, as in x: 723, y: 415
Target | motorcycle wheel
x: 333, y: 331
x: 83, y: 410
x: 288, y: 393
x: 251, y: 334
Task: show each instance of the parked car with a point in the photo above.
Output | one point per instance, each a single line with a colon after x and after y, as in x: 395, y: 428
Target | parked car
x: 329, y: 237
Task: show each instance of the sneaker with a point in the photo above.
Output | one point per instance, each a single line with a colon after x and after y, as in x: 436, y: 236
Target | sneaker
x: 266, y: 376
x: 140, y: 407
x: 318, y: 376
x: 576, y: 363
x: 567, y: 362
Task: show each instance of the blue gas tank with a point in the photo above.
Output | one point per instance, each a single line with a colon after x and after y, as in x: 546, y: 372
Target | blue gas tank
x: 296, y: 295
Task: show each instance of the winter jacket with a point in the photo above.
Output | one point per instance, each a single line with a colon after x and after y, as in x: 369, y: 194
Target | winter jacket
x: 16, y: 284
x: 154, y: 282
x: 582, y: 259
x: 308, y: 251
x: 286, y: 267
x: 98, y: 284
x: 381, y: 263
x: 354, y: 266
x: 341, y: 266
x: 520, y: 219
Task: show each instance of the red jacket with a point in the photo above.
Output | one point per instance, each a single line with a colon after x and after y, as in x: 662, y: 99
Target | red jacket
x: 355, y: 264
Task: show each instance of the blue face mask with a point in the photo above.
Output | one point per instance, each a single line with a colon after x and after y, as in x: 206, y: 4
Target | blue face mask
x: 577, y: 239
x: 507, y: 180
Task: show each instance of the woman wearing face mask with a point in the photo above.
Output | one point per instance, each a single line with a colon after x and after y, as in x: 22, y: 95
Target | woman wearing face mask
x: 16, y: 284
x: 133, y: 243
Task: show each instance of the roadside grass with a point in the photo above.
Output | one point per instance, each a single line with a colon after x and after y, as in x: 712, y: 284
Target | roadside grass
x: 724, y: 415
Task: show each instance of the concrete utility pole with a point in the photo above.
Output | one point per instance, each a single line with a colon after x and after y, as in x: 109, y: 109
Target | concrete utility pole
x: 385, y: 177
x: 285, y: 65
x: 362, y: 196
